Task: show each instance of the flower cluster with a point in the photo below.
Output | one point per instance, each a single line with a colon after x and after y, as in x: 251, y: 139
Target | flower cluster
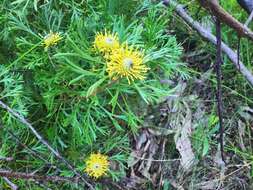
x: 51, y: 39
x: 97, y: 165
x: 106, y: 43
x: 122, y: 60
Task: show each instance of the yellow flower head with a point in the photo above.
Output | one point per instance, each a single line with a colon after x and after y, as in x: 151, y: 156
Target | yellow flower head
x: 51, y: 39
x: 106, y: 42
x: 127, y: 62
x: 97, y: 165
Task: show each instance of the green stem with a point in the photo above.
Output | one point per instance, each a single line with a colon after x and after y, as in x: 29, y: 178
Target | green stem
x: 23, y: 55
x: 99, y: 90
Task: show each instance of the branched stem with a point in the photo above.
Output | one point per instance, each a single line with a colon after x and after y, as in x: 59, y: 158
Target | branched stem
x: 43, y: 141
x: 35, y: 154
x: 101, y: 89
x: 46, y: 178
x: 211, y: 38
x: 21, y: 175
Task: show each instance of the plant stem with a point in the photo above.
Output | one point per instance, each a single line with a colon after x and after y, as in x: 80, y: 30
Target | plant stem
x: 43, y: 141
x: 219, y: 89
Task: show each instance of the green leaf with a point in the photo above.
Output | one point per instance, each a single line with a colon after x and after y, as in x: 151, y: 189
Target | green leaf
x: 205, y: 147
x: 116, y: 125
x: 213, y: 120
x: 76, y: 79
x: 166, y: 185
x: 141, y: 93
x: 77, y: 68
x: 114, y: 100
x: 94, y: 87
x: 35, y: 5
x: 81, y: 53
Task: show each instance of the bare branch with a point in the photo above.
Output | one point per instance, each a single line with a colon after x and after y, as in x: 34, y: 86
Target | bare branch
x: 219, y: 89
x: 43, y: 141
x: 6, y: 159
x: 214, y: 7
x: 21, y: 175
x: 34, y: 153
x: 211, y: 38
x: 249, y: 19
x: 56, y: 179
x: 12, y: 185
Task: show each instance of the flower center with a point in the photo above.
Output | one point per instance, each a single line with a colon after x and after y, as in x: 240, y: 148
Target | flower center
x: 109, y: 41
x: 96, y: 166
x: 128, y: 63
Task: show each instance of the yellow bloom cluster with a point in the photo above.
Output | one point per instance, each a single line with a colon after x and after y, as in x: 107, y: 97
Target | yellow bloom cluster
x: 122, y: 60
x: 51, y: 39
x: 106, y: 42
x: 97, y: 165
x: 127, y: 62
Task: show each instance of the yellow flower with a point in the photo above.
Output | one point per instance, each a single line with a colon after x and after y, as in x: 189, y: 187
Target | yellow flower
x: 51, y: 39
x: 97, y: 165
x: 106, y: 42
x: 127, y: 62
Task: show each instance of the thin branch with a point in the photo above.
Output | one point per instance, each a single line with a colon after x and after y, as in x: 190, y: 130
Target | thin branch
x: 6, y: 159
x: 12, y: 185
x: 34, y: 153
x: 43, y: 141
x: 216, y: 10
x: 219, y: 89
x: 21, y: 175
x: 211, y: 38
x: 249, y: 19
x: 101, y: 89
x: 39, y: 183
x: 55, y: 179
x: 238, y: 50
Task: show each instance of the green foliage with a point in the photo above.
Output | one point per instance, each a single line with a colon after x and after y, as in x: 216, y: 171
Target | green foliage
x: 65, y: 92
x: 202, y: 136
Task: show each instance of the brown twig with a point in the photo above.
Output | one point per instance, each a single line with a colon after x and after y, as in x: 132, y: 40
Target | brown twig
x: 34, y: 153
x: 6, y: 159
x: 216, y: 10
x: 211, y: 38
x: 238, y: 51
x: 249, y: 19
x: 12, y: 185
x: 101, y: 89
x: 162, y: 144
x: 43, y: 186
x: 21, y: 175
x: 43, y: 141
x: 219, y: 89
x: 75, y: 180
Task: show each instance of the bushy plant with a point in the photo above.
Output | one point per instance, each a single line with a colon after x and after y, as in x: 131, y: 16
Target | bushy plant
x: 72, y: 92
